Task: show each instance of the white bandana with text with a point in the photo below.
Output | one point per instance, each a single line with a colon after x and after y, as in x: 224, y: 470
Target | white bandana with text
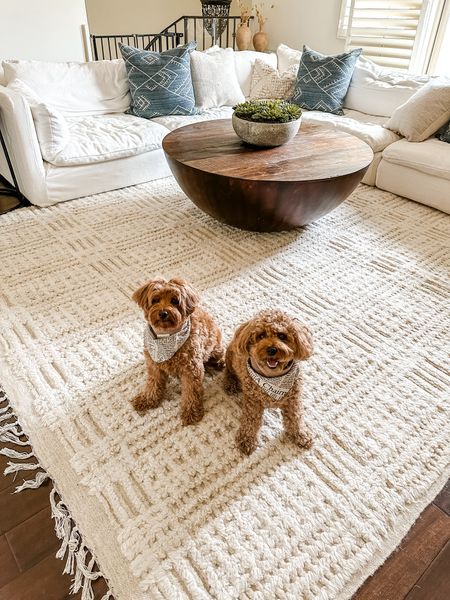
x: 275, y: 387
x: 163, y: 347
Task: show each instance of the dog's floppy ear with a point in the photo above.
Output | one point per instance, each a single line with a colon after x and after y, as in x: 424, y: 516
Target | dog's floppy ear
x: 303, y: 340
x: 243, y: 337
x: 190, y: 296
x: 141, y: 295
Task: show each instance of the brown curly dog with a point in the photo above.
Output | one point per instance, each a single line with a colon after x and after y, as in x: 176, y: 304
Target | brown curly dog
x: 261, y: 361
x: 180, y: 339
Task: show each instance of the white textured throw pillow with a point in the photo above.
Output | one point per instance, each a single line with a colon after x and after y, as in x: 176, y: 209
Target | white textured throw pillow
x: 214, y: 78
x: 424, y: 113
x: 288, y: 58
x: 269, y: 83
x: 244, y: 61
x: 51, y: 128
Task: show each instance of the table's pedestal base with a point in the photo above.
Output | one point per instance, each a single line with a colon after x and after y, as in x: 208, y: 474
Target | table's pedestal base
x: 263, y: 205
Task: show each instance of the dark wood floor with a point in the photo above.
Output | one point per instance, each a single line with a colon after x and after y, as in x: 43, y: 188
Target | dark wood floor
x: 418, y: 570
x: 7, y: 201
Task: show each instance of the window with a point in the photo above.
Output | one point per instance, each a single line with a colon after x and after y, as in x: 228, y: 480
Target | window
x: 399, y: 34
x: 440, y: 55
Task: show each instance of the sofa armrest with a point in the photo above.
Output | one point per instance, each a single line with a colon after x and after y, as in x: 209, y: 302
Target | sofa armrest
x: 20, y: 138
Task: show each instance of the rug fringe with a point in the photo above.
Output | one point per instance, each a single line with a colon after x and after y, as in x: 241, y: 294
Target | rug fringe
x: 32, y: 484
x: 16, y: 467
x: 11, y: 433
x: 72, y: 543
x: 10, y: 453
x: 5, y: 416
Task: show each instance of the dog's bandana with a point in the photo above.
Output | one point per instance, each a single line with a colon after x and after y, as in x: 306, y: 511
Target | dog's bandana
x: 275, y: 387
x: 163, y: 347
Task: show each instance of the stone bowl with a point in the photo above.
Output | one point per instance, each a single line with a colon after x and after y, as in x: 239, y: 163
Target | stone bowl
x: 266, y: 135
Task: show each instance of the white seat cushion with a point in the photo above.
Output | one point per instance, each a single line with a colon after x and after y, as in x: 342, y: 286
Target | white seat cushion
x: 108, y: 137
x: 431, y: 156
x: 174, y: 121
x: 367, y: 128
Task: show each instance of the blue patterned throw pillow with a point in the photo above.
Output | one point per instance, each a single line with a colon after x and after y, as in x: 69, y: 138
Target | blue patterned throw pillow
x: 443, y: 133
x: 322, y: 81
x: 160, y: 82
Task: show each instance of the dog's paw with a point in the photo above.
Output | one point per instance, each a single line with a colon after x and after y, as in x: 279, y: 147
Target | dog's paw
x: 192, y: 416
x: 141, y: 403
x: 246, y: 445
x: 231, y: 384
x: 303, y: 438
x: 216, y: 364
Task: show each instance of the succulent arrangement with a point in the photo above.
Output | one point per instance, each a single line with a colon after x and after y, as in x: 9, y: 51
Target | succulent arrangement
x: 268, y: 111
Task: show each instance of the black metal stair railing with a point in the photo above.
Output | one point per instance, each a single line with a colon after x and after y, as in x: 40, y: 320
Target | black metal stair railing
x: 106, y: 47
x: 183, y: 30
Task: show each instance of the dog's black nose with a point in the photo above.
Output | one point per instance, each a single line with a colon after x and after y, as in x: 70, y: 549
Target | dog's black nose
x: 271, y: 351
x: 163, y: 314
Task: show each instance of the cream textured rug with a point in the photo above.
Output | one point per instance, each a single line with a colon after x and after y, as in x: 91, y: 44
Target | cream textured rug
x: 176, y: 513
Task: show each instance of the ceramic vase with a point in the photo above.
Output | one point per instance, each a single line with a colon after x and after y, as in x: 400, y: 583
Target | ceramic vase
x: 260, y: 41
x: 243, y: 37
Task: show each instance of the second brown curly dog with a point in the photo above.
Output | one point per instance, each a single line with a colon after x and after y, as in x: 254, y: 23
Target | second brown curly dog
x: 261, y: 361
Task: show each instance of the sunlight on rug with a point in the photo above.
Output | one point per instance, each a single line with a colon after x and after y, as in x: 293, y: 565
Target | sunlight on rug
x: 172, y: 512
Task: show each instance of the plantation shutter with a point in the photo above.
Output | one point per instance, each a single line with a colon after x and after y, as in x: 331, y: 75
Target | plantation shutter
x: 385, y: 29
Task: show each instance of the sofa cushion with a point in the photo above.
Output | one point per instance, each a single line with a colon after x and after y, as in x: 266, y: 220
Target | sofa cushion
x: 367, y: 128
x: 269, y: 82
x: 108, y: 137
x: 51, y: 127
x: 431, y: 156
x: 288, y: 58
x: 172, y: 122
x: 214, y: 78
x: 377, y: 91
x: 75, y: 89
x: 322, y: 81
x: 244, y: 61
x: 160, y: 82
x: 424, y: 113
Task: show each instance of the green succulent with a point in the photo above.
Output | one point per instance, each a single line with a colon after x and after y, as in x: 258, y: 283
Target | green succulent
x: 268, y: 111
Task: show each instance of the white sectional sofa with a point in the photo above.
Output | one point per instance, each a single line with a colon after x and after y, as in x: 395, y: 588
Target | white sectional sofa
x: 106, y: 149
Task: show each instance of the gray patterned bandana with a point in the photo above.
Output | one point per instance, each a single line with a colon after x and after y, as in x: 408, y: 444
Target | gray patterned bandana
x: 163, y: 347
x: 275, y: 387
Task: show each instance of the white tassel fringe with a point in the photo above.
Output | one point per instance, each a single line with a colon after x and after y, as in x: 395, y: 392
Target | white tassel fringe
x: 72, y: 541
x: 10, y: 453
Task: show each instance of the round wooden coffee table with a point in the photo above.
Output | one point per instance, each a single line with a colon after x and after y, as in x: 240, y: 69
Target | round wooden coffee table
x: 265, y: 189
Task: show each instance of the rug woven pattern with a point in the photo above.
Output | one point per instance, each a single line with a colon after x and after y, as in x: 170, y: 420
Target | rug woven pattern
x: 192, y: 518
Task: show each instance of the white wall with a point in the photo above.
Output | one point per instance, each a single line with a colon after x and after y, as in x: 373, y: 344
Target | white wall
x: 42, y: 29
x: 139, y: 16
x: 294, y: 22
x: 297, y: 22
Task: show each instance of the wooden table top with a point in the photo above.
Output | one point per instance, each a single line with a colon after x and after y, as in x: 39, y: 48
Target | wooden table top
x: 317, y: 152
